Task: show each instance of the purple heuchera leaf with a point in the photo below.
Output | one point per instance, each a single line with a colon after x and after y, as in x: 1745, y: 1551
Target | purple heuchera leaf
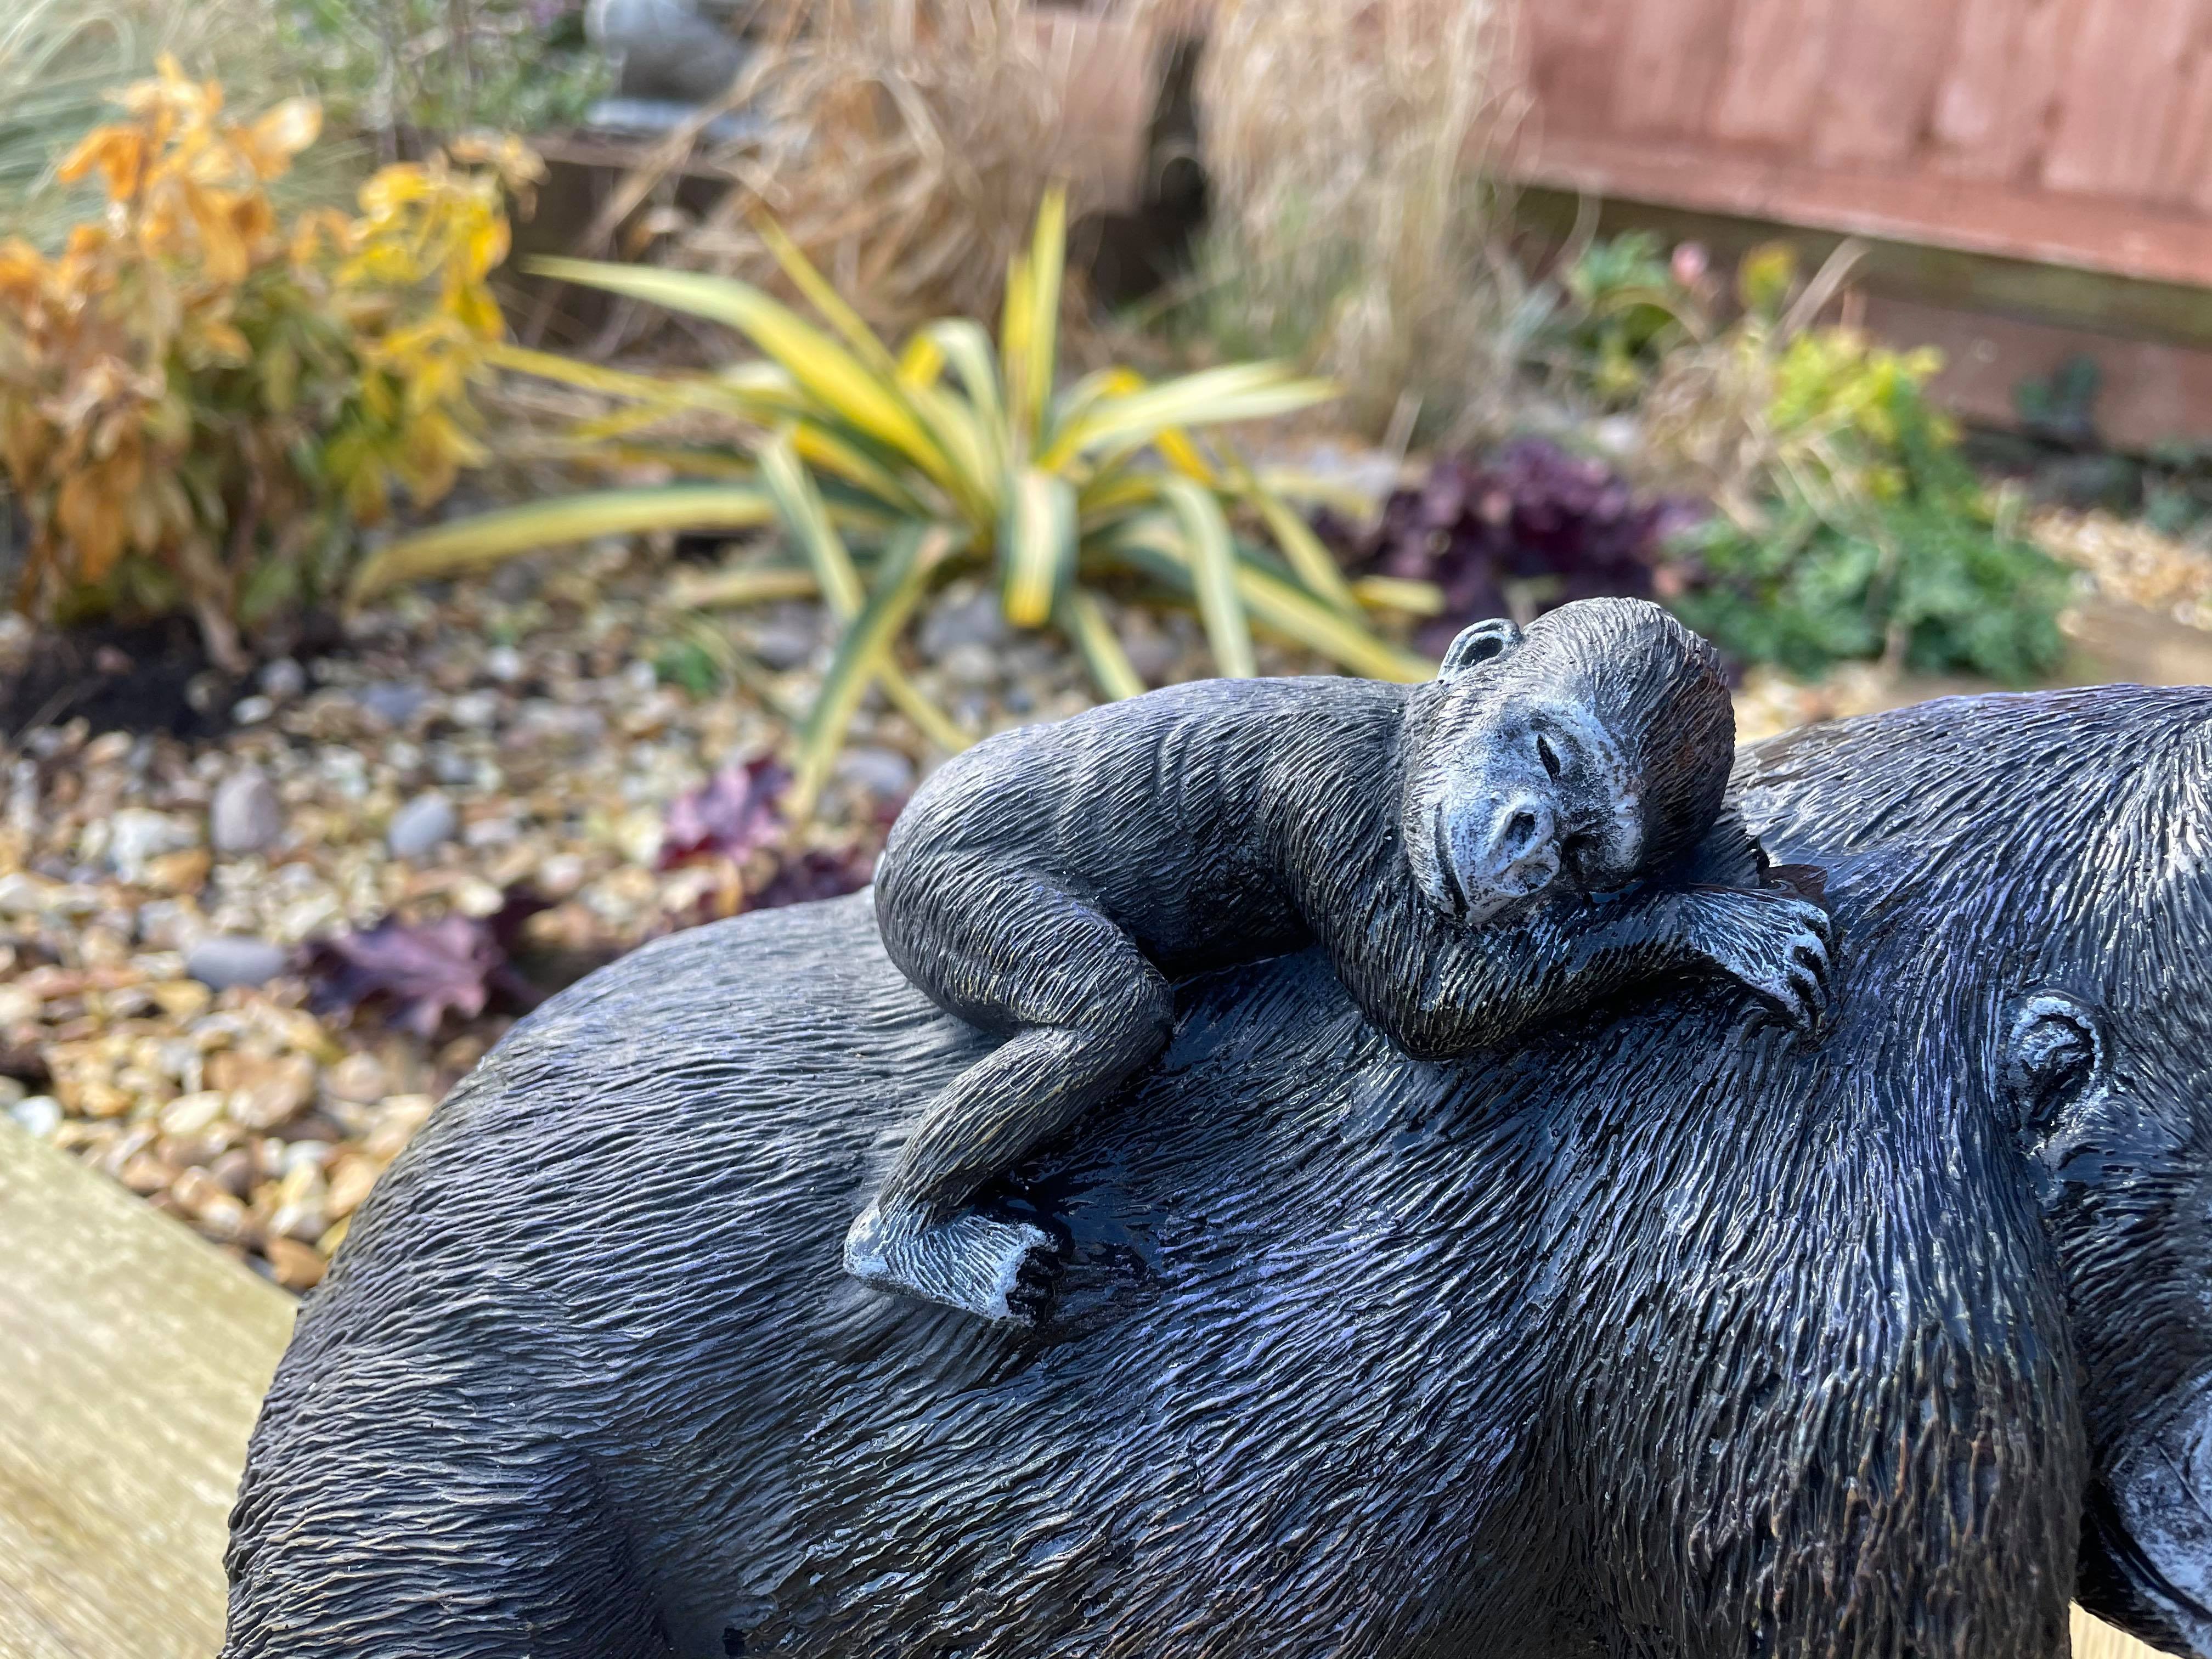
x: 815, y: 875
x: 1528, y: 510
x: 729, y: 816
x: 425, y: 970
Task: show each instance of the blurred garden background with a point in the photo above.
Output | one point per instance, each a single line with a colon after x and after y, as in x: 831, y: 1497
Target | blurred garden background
x: 487, y: 483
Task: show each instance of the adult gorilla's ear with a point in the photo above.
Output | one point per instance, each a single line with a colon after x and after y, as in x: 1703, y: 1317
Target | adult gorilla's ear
x: 2052, y: 1056
x: 1485, y: 641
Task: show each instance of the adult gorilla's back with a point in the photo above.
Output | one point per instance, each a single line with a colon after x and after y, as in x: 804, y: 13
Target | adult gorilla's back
x: 1664, y: 1335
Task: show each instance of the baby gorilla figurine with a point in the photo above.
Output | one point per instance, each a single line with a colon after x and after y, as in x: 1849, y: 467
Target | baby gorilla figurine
x: 1443, y: 843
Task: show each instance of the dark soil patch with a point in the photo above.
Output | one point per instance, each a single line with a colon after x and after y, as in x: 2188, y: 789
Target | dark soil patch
x: 140, y: 677
x: 153, y: 676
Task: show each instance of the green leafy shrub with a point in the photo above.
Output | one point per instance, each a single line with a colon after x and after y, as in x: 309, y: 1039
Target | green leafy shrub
x: 1875, y: 539
x: 1617, y: 307
x: 444, y: 66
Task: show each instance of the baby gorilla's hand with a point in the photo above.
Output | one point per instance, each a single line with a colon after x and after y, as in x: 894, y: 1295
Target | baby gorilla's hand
x: 1779, y: 945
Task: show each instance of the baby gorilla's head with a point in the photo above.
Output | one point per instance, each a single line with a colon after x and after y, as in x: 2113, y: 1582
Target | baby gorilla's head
x: 1592, y: 748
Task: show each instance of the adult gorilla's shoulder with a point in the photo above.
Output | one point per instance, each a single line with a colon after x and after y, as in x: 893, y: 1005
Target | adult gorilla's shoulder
x: 1664, y: 1333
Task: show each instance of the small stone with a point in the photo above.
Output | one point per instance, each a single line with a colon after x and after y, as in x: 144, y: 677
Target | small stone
x: 783, y: 645
x: 393, y: 701
x: 185, y: 872
x: 396, y: 1122
x: 136, y: 836
x: 973, y: 665
x: 474, y: 711
x: 18, y: 1003
x: 251, y: 711
x: 270, y: 1093
x: 283, y: 679
x: 882, y: 773
x: 296, y: 1266
x: 358, y: 1077
x: 41, y: 1115
x: 245, y: 816
x: 187, y: 1115
x: 182, y: 999
x: 560, y: 876
x: 146, y: 1174
x: 228, y: 959
x: 503, y: 662
x: 426, y: 822
x: 974, y: 621
x: 350, y: 1181
x: 12, y: 1091
x: 234, y: 1172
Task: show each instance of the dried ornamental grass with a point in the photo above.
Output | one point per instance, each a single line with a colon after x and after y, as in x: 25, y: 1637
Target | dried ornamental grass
x: 1352, y: 223
x: 903, y: 148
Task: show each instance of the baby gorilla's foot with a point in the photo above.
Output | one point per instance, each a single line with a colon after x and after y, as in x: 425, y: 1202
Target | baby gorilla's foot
x: 1000, y: 1270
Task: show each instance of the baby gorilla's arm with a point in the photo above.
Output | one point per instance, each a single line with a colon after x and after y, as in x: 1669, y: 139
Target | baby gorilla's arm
x: 1440, y: 992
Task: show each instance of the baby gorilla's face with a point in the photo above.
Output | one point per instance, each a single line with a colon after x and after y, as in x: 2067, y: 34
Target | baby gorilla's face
x: 1518, y: 788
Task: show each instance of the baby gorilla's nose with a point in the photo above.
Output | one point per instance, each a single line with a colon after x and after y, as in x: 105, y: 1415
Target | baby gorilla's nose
x: 1519, y: 854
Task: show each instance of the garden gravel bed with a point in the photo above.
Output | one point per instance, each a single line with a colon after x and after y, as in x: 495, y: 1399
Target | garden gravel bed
x: 236, y: 973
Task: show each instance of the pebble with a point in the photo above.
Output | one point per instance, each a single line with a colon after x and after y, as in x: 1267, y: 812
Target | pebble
x: 882, y: 773
x: 425, y: 823
x: 41, y: 1115
x: 283, y: 679
x: 394, y: 703
x: 226, y: 960
x: 975, y: 666
x: 251, y: 711
x: 245, y: 815
x: 971, y: 618
x: 136, y: 837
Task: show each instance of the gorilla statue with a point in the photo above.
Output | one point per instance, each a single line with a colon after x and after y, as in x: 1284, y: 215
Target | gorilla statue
x: 1666, y: 1334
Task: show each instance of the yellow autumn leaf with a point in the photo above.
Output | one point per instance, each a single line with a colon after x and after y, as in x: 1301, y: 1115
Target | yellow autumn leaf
x: 119, y: 153
x: 272, y: 142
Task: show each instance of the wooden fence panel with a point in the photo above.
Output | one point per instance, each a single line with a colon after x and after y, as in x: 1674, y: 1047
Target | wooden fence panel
x: 1671, y: 62
x: 2078, y: 130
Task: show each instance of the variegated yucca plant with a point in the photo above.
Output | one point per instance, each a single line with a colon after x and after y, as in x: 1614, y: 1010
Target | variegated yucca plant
x: 888, y: 471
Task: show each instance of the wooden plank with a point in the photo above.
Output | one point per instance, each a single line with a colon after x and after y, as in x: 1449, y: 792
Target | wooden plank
x: 1574, y: 60
x: 133, y: 1357
x: 1886, y: 60
x: 2153, y: 392
x: 2093, y: 1638
x: 2184, y: 177
x: 2000, y: 87
x: 2123, y: 238
x: 1778, y: 69
x: 2122, y: 83
x: 1672, y: 58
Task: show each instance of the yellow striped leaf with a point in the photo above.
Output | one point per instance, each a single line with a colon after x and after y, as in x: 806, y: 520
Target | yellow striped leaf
x: 825, y: 370
x: 1154, y: 546
x: 1239, y: 392
x: 862, y: 655
x: 452, y: 549
x: 1415, y: 598
x: 1037, y: 546
x: 1048, y: 257
x: 1082, y: 619
x: 721, y: 589
x: 827, y: 303
x: 1316, y: 566
x: 807, y: 522
x: 1212, y: 556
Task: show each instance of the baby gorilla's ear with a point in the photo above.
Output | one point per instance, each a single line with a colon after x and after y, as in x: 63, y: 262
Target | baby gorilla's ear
x: 1485, y: 641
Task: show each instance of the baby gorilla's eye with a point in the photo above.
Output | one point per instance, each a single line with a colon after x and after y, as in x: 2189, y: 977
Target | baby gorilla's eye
x: 1548, y: 755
